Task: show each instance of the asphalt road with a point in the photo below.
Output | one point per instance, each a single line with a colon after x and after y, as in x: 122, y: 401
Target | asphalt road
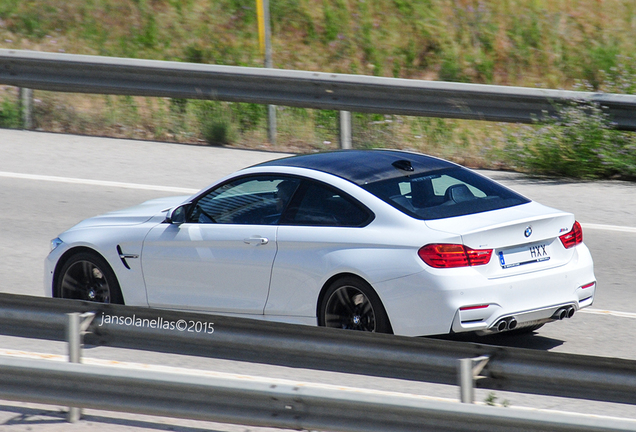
x: 49, y: 182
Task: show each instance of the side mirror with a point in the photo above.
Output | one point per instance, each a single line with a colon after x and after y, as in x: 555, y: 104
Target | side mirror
x: 177, y: 215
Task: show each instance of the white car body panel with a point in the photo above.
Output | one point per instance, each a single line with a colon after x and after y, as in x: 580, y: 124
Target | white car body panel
x: 209, y: 267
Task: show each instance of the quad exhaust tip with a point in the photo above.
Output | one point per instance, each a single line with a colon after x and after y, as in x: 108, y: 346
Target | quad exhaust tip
x: 502, y: 325
x: 564, y: 312
x: 509, y: 323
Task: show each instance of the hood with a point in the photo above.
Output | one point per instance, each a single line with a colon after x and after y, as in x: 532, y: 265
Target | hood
x: 134, y: 215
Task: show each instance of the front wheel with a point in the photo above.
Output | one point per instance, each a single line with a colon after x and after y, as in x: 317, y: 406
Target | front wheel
x: 350, y: 303
x: 87, y: 276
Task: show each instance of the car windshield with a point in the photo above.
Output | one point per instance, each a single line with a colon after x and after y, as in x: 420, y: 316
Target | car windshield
x: 444, y: 193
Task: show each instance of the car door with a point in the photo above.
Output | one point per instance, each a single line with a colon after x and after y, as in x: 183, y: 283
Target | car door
x: 322, y: 229
x: 220, y: 258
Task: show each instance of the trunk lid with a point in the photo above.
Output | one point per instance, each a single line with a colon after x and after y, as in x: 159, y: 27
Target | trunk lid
x: 523, y: 238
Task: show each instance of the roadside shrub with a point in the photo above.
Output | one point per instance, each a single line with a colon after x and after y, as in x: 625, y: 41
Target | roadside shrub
x: 214, y: 125
x: 9, y: 114
x: 579, y: 141
x: 216, y: 132
x: 248, y: 116
x: 215, y: 122
x: 619, y: 78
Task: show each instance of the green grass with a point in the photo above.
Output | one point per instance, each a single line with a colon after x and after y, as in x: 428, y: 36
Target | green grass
x: 520, y: 42
x: 536, y: 43
x: 9, y: 113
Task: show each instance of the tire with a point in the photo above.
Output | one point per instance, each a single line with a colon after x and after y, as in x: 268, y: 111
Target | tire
x: 87, y: 276
x: 350, y: 303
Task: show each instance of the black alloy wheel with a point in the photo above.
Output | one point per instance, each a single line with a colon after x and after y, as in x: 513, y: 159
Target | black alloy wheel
x: 87, y: 276
x: 351, y: 304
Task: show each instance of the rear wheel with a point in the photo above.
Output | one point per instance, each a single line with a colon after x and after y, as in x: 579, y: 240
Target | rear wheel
x: 87, y: 276
x: 350, y: 303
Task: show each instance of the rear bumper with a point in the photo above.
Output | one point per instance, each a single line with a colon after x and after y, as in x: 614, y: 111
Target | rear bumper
x: 463, y: 300
x: 518, y: 320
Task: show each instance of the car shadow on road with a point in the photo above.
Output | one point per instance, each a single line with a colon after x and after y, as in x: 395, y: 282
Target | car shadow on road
x: 524, y: 340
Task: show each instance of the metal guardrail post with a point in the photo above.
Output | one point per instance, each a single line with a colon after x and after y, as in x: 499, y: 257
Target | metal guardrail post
x: 271, y: 124
x: 271, y: 109
x: 345, y: 130
x: 75, y: 330
x: 26, y: 107
x: 469, y: 370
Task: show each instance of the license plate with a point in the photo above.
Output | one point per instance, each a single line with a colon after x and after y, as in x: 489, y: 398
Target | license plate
x: 524, y: 255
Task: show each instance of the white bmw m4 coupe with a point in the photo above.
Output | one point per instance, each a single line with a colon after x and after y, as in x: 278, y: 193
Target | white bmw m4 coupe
x: 377, y: 240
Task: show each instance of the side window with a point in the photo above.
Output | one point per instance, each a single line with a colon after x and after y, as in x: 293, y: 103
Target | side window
x: 251, y: 200
x: 321, y: 205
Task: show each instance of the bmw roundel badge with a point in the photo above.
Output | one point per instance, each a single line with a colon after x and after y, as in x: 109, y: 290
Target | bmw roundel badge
x: 528, y: 231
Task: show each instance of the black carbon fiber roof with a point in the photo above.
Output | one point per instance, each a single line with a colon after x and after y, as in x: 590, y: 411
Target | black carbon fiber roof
x: 365, y: 166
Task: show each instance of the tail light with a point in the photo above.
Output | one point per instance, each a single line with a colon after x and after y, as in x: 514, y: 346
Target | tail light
x: 574, y: 237
x: 453, y: 255
x: 467, y: 308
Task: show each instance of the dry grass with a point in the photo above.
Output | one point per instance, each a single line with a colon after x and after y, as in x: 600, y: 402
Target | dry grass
x: 535, y: 43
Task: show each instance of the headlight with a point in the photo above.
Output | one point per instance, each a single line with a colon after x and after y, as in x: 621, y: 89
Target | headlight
x: 55, y: 243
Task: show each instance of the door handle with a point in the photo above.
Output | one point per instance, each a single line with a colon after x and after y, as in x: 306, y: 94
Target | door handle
x: 257, y: 240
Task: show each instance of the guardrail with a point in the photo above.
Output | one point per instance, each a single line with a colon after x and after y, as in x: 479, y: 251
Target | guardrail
x: 275, y: 403
x: 123, y: 76
x: 423, y: 359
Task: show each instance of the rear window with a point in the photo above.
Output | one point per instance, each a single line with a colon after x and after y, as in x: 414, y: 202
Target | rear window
x: 445, y: 193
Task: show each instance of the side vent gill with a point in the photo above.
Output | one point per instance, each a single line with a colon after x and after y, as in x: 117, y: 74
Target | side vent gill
x: 123, y: 257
